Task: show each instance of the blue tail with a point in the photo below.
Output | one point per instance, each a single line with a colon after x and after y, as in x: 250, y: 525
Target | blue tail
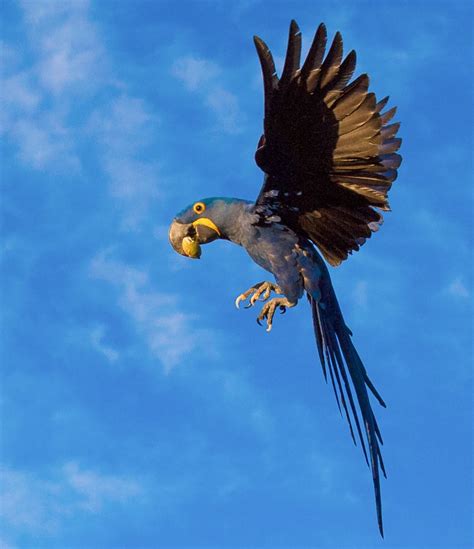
x: 338, y: 355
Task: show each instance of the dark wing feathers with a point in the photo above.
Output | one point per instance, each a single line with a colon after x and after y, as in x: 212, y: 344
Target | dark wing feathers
x: 315, y: 54
x: 330, y: 157
x: 270, y: 78
x: 345, y: 72
x: 293, y: 55
x: 327, y: 146
x: 382, y: 103
x: 330, y: 66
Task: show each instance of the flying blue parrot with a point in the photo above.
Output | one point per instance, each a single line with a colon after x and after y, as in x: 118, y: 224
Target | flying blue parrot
x: 329, y: 157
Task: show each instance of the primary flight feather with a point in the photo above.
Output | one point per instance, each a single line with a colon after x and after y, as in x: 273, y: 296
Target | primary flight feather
x: 329, y: 156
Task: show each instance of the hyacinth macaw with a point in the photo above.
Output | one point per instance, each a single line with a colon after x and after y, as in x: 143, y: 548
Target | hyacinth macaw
x: 329, y: 159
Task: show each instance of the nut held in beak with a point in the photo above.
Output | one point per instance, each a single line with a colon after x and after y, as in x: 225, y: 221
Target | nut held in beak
x: 191, y: 247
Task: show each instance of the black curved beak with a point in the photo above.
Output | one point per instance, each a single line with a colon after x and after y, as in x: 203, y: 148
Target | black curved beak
x: 178, y: 232
x: 186, y: 238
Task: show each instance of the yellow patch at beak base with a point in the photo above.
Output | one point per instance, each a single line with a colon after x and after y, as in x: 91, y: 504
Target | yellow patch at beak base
x: 207, y: 223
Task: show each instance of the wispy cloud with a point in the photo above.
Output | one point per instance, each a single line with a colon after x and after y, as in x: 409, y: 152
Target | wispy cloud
x: 5, y: 545
x: 458, y: 289
x: 28, y: 502
x: 42, y: 143
x: 36, y: 504
x: 37, y: 13
x: 226, y: 108
x: 97, y: 340
x: 58, y: 67
x: 360, y: 294
x: 236, y: 394
x: 19, y: 93
x: 70, y: 55
x: 57, y: 74
x: 95, y: 490
x: 123, y: 130
x: 203, y: 78
x: 195, y: 72
x: 169, y: 333
x: 67, y: 45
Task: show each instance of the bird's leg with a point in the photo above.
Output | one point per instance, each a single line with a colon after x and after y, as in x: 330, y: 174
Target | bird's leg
x: 268, y: 310
x: 265, y: 288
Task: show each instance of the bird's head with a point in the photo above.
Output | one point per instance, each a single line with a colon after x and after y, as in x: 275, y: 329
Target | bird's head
x: 196, y: 225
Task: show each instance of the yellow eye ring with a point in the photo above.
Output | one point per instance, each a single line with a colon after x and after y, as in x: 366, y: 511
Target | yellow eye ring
x: 199, y: 207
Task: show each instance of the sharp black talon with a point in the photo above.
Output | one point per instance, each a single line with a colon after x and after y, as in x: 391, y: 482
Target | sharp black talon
x: 282, y: 309
x: 258, y: 321
x: 248, y: 306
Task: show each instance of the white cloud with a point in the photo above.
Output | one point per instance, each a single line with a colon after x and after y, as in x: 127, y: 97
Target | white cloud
x: 168, y: 332
x: 97, y: 340
x: 124, y: 129
x: 4, y: 544
x: 63, y: 61
x: 41, y: 144
x: 132, y: 180
x: 18, y: 92
x: 37, y: 13
x: 65, y: 54
x: 40, y: 102
x: 241, y: 397
x: 9, y: 58
x: 194, y: 72
x: 96, y: 490
x: 226, y: 108
x: 27, y: 502
x: 124, y: 125
x: 70, y: 55
x: 39, y: 505
x: 360, y: 294
x: 203, y: 77
x: 458, y: 289
x: 19, y: 99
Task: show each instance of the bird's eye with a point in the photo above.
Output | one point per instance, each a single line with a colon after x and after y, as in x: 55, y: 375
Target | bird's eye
x: 199, y: 207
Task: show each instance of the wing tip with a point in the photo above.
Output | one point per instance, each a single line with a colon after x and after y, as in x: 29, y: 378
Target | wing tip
x: 294, y: 28
x: 259, y: 43
x: 338, y: 38
x: 321, y: 28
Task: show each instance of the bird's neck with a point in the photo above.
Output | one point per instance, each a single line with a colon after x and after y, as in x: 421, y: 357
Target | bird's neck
x: 233, y: 217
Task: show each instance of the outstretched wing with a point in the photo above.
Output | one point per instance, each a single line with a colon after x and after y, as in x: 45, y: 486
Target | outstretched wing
x: 328, y: 153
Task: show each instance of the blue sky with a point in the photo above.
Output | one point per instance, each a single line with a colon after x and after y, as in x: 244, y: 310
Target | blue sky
x: 139, y: 408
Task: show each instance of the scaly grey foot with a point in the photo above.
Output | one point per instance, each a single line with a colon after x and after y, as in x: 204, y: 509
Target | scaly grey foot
x: 268, y: 310
x: 265, y: 288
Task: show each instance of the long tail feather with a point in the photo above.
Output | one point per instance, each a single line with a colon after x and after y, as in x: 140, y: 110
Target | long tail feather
x: 334, y: 342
